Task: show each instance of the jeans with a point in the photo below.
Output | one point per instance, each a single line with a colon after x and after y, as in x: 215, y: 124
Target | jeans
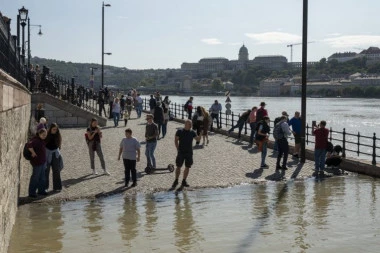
x: 164, y: 128
x: 275, y: 146
x: 37, y: 180
x: 129, y: 168
x: 283, y: 149
x: 264, y: 153
x: 92, y: 155
x: 240, y: 125
x: 320, y: 158
x: 116, y: 117
x: 253, y: 131
x: 57, y: 183
x: 138, y: 108
x: 214, y: 116
x: 149, y: 152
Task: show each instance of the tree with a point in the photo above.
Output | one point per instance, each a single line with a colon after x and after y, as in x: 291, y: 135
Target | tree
x: 217, y: 85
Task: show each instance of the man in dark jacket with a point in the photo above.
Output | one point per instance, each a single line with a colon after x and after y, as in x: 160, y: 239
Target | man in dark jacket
x: 158, y: 117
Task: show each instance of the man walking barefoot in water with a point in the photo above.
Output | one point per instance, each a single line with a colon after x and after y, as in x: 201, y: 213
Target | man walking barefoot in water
x: 184, y: 143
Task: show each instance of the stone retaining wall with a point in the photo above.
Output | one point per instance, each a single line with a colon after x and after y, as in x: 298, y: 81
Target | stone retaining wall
x: 14, y: 169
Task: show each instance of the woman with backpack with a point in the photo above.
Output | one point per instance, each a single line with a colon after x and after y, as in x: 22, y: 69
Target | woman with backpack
x: 53, y: 156
x: 197, y: 121
x: 93, y: 137
x: 38, y: 161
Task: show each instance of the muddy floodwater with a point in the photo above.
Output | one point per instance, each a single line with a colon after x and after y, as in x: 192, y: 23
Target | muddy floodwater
x: 337, y: 214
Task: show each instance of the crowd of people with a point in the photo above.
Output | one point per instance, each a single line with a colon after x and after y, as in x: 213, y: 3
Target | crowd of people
x: 46, y: 144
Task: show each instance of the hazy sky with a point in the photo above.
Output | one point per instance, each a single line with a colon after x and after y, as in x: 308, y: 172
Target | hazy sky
x: 165, y: 33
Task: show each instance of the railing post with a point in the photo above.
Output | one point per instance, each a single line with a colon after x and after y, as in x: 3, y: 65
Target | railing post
x: 183, y: 111
x: 344, y: 143
x: 220, y: 119
x: 331, y: 131
x: 232, y: 119
x: 358, y: 143
x: 245, y: 128
x: 175, y: 110
x: 374, y: 150
x: 307, y: 134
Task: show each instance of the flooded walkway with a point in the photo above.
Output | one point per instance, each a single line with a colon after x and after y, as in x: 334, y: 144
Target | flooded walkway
x: 223, y: 162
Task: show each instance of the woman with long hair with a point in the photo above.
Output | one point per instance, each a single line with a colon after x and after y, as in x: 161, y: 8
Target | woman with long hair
x: 54, y: 161
x: 206, y: 124
x: 94, y: 135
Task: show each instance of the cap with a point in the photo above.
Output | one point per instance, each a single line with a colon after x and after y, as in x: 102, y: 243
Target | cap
x: 285, y: 113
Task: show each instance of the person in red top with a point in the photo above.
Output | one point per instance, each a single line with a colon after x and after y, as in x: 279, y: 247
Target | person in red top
x: 321, y: 134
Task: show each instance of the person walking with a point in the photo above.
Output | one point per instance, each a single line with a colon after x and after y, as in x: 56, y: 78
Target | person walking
x: 321, y: 134
x: 165, y: 108
x: 184, y: 145
x: 94, y: 136
x: 252, y: 124
x: 188, y: 107
x: 158, y: 117
x: 281, y: 132
x: 152, y: 104
x: 151, y: 135
x: 215, y: 110
x: 116, y: 112
x: 54, y: 157
x: 197, y: 121
x: 262, y: 137
x: 138, y: 105
x: 296, y: 124
x: 206, y: 124
x: 37, y: 148
x: 240, y: 123
x: 130, y: 148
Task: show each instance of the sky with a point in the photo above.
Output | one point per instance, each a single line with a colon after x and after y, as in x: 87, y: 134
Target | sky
x: 144, y: 34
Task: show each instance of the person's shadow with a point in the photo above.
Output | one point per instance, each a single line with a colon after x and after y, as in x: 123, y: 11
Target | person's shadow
x: 72, y: 181
x: 278, y: 175
x: 255, y: 174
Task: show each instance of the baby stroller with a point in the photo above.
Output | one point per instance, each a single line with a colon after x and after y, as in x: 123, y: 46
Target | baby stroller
x: 333, y: 156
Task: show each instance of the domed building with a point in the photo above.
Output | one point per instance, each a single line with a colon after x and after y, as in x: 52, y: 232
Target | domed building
x: 243, y: 54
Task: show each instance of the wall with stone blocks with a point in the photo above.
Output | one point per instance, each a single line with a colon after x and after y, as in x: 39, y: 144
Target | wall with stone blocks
x: 14, y: 169
x: 63, y: 113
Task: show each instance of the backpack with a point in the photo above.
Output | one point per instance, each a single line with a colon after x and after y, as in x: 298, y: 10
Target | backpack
x: 26, y: 152
x: 278, y: 133
x: 185, y: 106
x: 276, y: 120
x: 259, y: 114
x: 129, y: 102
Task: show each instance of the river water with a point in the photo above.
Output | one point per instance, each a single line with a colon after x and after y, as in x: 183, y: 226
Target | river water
x: 337, y: 214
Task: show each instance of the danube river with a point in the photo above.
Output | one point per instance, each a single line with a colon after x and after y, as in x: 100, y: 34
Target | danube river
x: 339, y: 214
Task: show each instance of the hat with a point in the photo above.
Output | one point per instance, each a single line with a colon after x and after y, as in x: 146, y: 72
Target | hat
x: 263, y: 104
x: 149, y: 116
x: 40, y: 126
x: 43, y: 120
x: 285, y: 113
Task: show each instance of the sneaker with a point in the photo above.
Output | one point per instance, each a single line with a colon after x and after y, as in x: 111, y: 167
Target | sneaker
x: 264, y: 166
x: 175, y: 183
x: 134, y: 184
x: 106, y: 173
x: 284, y: 168
x: 184, y: 183
x: 43, y: 193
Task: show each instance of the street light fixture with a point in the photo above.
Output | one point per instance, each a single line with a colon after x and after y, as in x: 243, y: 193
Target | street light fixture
x: 39, y: 33
x: 23, y: 15
x: 103, y: 5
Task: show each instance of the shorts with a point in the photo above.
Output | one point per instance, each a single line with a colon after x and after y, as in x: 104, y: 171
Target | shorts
x: 297, y: 138
x: 184, y: 157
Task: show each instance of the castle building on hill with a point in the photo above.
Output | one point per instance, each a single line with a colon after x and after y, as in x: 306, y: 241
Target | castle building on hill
x: 217, y: 64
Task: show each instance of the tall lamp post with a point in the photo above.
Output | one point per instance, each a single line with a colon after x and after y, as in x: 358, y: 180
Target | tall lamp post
x: 304, y: 78
x: 23, y: 14
x: 39, y: 33
x: 103, y: 5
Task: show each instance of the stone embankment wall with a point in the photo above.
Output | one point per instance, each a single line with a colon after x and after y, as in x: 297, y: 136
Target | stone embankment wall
x: 63, y: 113
x: 14, y: 169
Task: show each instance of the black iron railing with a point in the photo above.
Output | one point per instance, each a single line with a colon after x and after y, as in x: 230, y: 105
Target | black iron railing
x: 68, y: 91
x: 10, y: 60
x: 354, y: 144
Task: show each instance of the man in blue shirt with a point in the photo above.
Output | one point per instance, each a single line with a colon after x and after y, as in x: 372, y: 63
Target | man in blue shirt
x: 296, y: 124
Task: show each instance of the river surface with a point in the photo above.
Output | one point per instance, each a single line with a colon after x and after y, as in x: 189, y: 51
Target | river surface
x: 338, y: 214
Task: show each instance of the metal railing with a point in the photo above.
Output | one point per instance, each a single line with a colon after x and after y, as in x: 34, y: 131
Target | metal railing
x: 10, y: 60
x: 67, y: 91
x: 354, y: 144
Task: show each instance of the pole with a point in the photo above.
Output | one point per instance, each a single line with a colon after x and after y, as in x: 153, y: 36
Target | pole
x: 28, y: 42
x: 102, y: 45
x: 18, y: 35
x: 23, y: 42
x: 304, y: 80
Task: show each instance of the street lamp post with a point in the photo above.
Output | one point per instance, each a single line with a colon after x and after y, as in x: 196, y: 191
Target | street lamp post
x: 304, y: 78
x: 103, y: 5
x: 39, y: 33
x: 23, y: 13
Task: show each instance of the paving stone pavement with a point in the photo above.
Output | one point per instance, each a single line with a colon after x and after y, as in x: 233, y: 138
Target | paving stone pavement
x: 223, y: 162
